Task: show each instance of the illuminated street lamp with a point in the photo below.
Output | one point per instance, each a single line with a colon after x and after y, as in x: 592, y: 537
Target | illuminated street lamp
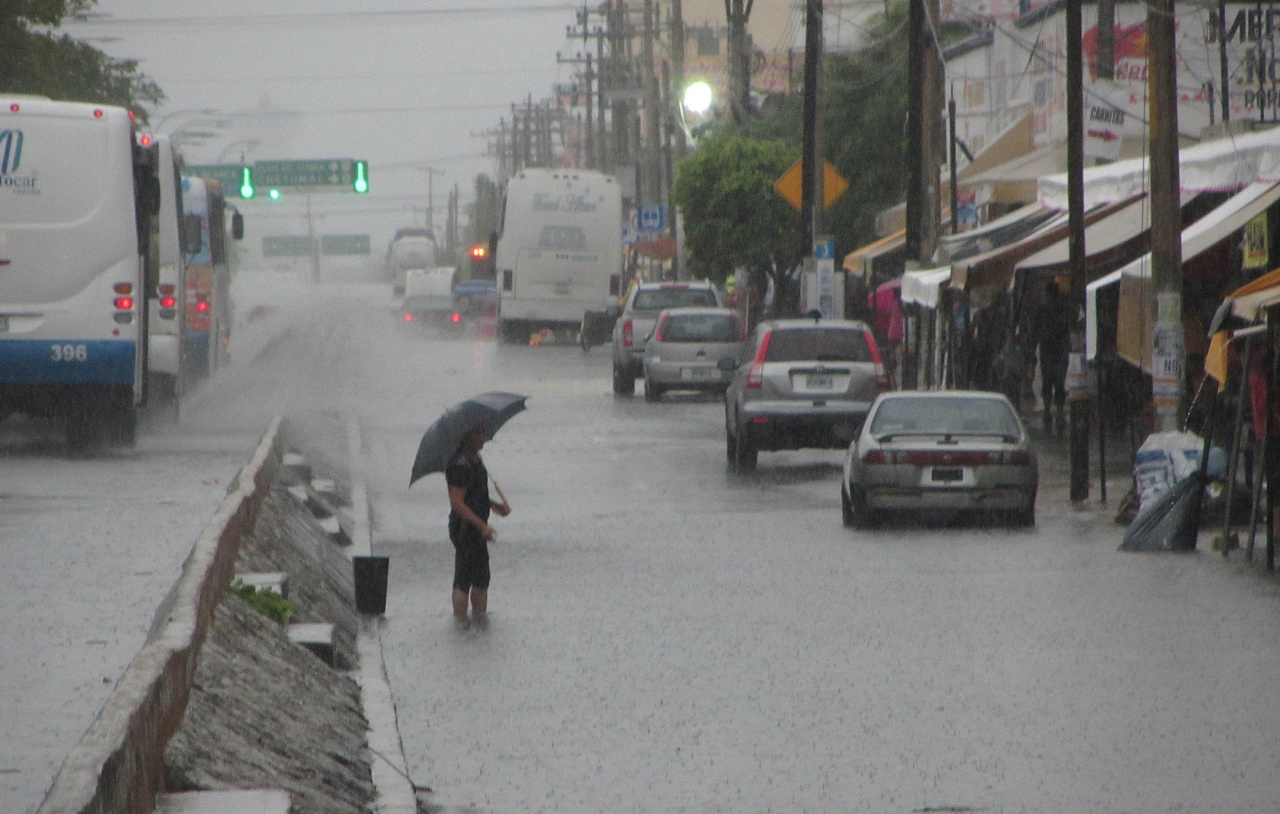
x: 698, y: 98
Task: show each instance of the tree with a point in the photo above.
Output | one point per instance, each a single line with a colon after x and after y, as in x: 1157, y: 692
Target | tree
x: 732, y: 215
x: 62, y: 68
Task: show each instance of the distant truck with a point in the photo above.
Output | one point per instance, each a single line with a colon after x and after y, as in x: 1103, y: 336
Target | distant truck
x: 428, y: 293
x: 559, y: 251
x: 409, y: 249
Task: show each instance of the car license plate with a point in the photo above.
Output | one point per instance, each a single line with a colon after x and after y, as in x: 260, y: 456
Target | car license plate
x: 947, y: 474
x: 820, y: 381
x: 696, y: 373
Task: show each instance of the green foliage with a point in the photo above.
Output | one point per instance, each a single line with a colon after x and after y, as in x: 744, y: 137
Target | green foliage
x: 62, y: 68
x: 732, y: 215
x: 266, y: 602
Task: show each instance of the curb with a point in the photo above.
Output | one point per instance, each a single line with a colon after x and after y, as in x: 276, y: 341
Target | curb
x: 117, y: 767
x: 394, y: 788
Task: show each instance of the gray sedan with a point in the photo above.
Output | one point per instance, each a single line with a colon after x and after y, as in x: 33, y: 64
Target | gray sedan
x: 948, y: 451
x: 685, y: 350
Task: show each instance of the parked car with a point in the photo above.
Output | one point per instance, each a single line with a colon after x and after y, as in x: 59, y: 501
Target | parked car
x: 637, y: 319
x: 808, y: 384
x: 686, y: 347
x: 943, y: 450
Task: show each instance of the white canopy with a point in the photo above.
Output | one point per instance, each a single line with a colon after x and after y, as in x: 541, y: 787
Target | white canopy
x: 1221, y: 164
x: 922, y: 286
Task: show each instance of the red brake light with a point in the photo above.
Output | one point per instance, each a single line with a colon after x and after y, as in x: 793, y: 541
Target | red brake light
x: 97, y: 112
x: 123, y: 288
x: 875, y: 456
x: 883, y: 382
x: 146, y: 141
x: 202, y: 306
x: 626, y: 334
x: 124, y: 303
x: 455, y: 317
x: 14, y: 107
x: 755, y: 373
x: 662, y: 325
x: 167, y: 302
x: 408, y: 317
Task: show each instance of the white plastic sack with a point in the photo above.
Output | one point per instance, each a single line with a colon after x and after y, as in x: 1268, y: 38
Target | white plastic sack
x: 1166, y: 458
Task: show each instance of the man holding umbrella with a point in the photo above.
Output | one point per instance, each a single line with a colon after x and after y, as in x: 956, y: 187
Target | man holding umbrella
x: 469, y: 529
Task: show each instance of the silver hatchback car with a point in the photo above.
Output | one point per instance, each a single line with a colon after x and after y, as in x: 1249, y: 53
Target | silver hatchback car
x: 685, y: 350
x: 948, y: 450
x: 806, y: 383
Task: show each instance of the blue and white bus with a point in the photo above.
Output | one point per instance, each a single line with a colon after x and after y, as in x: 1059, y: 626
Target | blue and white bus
x: 76, y: 197
x: 208, y: 292
x: 166, y: 316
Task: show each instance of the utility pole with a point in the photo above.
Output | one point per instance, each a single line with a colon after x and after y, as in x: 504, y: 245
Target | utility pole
x: 1078, y: 401
x: 677, y: 73
x: 738, y: 13
x: 1168, y: 342
x: 652, y: 112
x: 924, y: 111
x: 811, y: 154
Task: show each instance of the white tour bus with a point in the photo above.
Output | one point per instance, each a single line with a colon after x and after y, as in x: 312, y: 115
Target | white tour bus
x: 559, y: 250
x: 77, y: 195
x: 166, y: 315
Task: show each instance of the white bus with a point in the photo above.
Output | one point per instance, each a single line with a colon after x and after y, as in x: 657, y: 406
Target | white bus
x: 76, y: 197
x: 208, y: 292
x: 559, y: 250
x: 166, y: 316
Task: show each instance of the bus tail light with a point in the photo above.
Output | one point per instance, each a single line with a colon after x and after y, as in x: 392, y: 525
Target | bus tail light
x: 123, y: 288
x: 124, y: 303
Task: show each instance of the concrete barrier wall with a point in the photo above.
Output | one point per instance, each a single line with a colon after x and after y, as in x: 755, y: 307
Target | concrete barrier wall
x: 118, y: 766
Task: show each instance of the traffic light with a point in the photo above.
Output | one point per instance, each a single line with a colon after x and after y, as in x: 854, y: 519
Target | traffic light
x: 246, y: 182
x: 360, y: 177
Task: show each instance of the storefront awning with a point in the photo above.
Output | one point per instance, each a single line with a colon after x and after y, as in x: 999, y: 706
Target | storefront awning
x: 999, y: 232
x: 859, y: 260
x: 1221, y: 164
x: 995, y: 268
x: 922, y: 287
x: 1136, y: 318
x: 1251, y: 301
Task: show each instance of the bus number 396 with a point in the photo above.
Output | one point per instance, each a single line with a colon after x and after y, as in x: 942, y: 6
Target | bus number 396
x: 70, y: 353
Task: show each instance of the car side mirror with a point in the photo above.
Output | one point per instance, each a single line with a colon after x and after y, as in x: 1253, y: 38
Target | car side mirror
x: 728, y: 364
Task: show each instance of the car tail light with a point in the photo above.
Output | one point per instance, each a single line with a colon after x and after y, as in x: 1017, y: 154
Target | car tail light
x: 626, y: 334
x: 408, y: 317
x: 942, y: 458
x: 124, y: 303
x: 123, y: 288
x: 662, y: 327
x: 168, y: 302
x: 455, y: 317
x: 875, y: 456
x: 883, y: 382
x: 755, y: 373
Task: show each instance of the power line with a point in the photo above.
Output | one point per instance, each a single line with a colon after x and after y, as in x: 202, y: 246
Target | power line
x: 319, y: 18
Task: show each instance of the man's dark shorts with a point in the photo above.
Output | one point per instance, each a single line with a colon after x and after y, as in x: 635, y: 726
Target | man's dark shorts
x: 470, y: 564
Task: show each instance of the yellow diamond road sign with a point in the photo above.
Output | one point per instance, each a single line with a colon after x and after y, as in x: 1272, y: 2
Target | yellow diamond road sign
x: 790, y: 185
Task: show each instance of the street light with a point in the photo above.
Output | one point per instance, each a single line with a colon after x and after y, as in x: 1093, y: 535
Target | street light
x: 698, y: 98
x: 247, y: 143
x: 205, y: 111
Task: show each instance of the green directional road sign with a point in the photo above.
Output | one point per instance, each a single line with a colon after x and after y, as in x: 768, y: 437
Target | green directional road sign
x: 310, y: 174
x: 286, y: 246
x: 344, y: 244
x: 228, y: 175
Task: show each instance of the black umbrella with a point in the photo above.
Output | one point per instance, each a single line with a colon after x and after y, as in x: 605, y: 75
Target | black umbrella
x: 441, y: 440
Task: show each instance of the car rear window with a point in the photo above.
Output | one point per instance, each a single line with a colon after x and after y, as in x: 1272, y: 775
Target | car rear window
x: 957, y: 416
x: 659, y: 298
x: 818, y: 344
x: 700, y: 328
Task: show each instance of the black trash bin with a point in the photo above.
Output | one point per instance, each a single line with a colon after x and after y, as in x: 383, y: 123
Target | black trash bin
x: 371, y: 583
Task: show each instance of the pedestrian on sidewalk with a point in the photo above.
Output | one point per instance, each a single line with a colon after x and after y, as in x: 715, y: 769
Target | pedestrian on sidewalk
x: 1053, y: 341
x: 469, y: 529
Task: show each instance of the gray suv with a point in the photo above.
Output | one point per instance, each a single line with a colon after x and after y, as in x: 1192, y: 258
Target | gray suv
x: 638, y: 317
x: 808, y: 384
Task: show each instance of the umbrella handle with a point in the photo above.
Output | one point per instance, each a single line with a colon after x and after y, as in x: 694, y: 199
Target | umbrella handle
x: 498, y: 489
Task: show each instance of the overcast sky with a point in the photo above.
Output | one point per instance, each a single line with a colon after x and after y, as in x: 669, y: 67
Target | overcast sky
x: 404, y: 84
